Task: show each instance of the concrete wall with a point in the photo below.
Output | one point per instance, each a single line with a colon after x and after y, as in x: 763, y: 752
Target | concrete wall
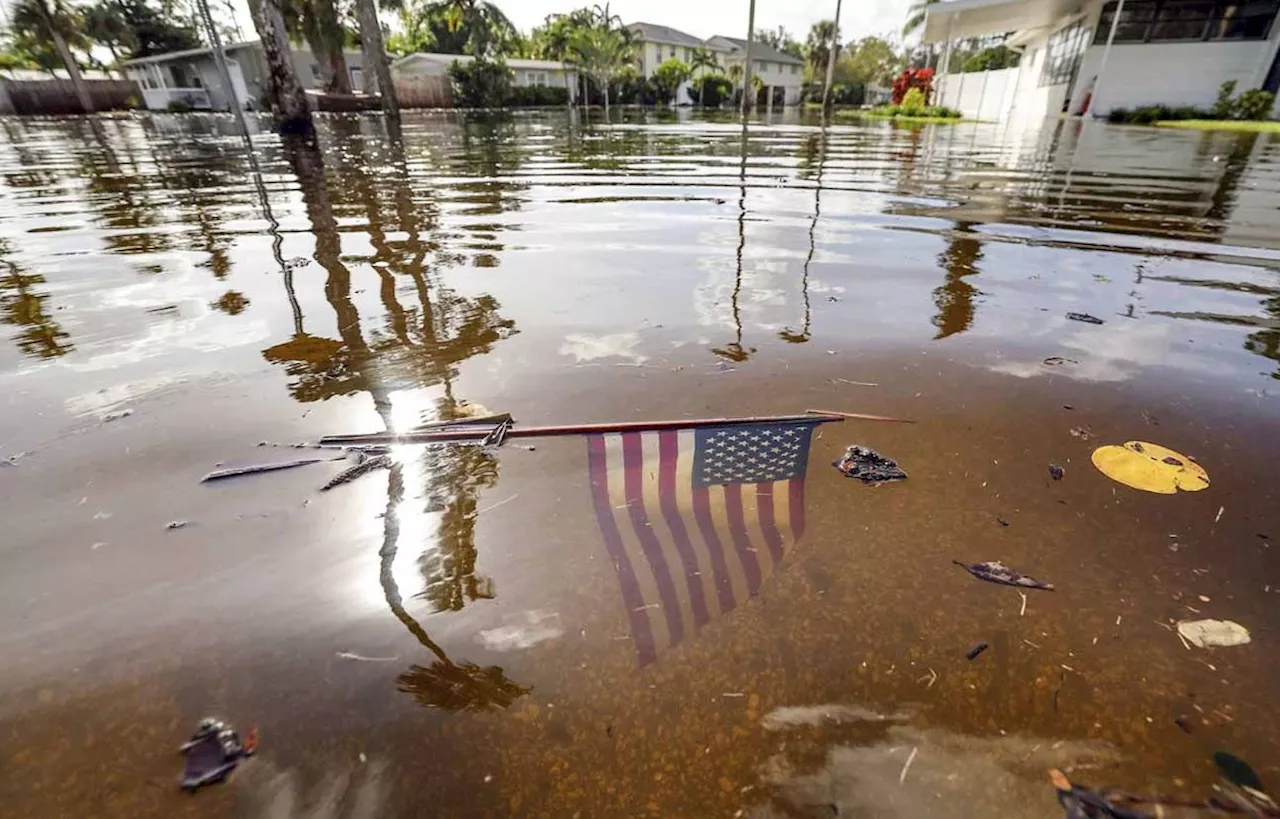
x: 985, y: 95
x: 1170, y: 73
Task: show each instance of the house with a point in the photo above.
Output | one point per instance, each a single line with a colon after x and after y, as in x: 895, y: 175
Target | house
x: 782, y: 74
x: 191, y: 77
x: 1173, y: 52
x: 524, y: 72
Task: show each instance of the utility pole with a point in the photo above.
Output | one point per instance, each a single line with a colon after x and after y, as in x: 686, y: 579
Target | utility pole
x: 224, y: 72
x: 748, y: 91
x: 831, y: 59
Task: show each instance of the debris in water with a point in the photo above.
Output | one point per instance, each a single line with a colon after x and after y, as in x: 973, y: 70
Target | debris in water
x: 1000, y: 520
x: 1055, y: 360
x: 993, y: 571
x: 869, y: 466
x: 177, y: 524
x: 1183, y: 723
x: 1150, y: 467
x: 351, y: 655
x: 1218, y: 516
x: 213, y: 752
x: 1085, y: 317
x: 364, y: 467
x: 1213, y: 633
x: 1081, y: 433
x: 1238, y: 772
x: 1056, y: 472
x: 978, y: 648
x: 912, y: 758
x: 116, y: 415
x: 219, y: 474
x: 296, y: 262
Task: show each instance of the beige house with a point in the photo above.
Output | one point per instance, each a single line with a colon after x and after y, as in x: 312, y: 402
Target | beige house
x: 782, y: 74
x: 524, y: 72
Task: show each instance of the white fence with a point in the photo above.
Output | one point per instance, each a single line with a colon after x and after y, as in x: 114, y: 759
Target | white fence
x: 988, y: 95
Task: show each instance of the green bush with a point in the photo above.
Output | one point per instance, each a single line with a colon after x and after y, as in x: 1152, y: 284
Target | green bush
x: 179, y: 107
x: 1224, y: 107
x: 926, y: 111
x: 913, y: 102
x: 711, y: 90
x: 1255, y: 104
x: 480, y: 83
x: 544, y: 95
x: 1118, y: 115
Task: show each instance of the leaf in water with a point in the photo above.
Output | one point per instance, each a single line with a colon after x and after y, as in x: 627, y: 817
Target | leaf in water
x: 1238, y: 772
x: 1150, y: 467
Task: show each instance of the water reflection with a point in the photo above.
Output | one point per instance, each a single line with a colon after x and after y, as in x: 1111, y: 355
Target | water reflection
x: 955, y: 298
x: 24, y: 305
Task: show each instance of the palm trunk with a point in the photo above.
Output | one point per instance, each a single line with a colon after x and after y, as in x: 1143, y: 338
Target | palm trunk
x: 288, y: 100
x: 376, y: 75
x: 73, y: 71
x: 332, y: 35
x: 605, y: 84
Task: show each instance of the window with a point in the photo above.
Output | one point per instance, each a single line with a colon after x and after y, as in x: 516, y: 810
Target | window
x: 795, y: 69
x: 1163, y: 21
x: 673, y: 51
x: 535, y: 78
x: 357, y: 77
x: 757, y: 66
x: 1063, y: 53
x: 315, y: 71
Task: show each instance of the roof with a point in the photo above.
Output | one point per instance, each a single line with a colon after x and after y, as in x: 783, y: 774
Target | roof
x: 654, y: 33
x: 759, y: 50
x: 449, y: 59
x: 187, y: 54
x: 33, y: 75
x: 981, y: 18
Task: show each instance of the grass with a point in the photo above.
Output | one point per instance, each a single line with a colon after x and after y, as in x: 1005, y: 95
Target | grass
x: 1252, y: 126
x: 871, y: 113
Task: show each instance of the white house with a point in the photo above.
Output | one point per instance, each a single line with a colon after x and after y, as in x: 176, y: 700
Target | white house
x: 1175, y: 52
x: 191, y: 77
x: 524, y: 72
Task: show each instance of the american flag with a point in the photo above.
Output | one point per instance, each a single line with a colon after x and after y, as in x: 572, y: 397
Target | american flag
x: 695, y: 520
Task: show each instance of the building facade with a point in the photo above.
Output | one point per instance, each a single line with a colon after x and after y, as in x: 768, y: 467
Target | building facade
x: 781, y: 73
x: 1172, y: 52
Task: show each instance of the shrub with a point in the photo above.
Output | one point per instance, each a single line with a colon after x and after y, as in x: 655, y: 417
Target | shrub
x: 913, y: 101
x: 1255, y: 104
x: 711, y: 90
x: 917, y: 78
x: 179, y: 107
x: 480, y: 83
x: 1224, y: 107
x: 545, y: 95
x: 1118, y: 115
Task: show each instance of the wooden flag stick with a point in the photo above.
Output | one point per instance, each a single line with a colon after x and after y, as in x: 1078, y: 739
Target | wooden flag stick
x: 446, y: 435
x: 861, y: 417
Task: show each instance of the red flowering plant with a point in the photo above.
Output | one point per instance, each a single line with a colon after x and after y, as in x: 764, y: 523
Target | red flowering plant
x: 921, y: 78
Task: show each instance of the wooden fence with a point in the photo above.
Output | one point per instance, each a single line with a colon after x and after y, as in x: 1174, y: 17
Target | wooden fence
x: 59, y: 96
x: 424, y: 92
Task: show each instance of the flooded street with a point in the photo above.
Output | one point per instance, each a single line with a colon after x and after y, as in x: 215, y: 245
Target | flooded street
x: 556, y: 627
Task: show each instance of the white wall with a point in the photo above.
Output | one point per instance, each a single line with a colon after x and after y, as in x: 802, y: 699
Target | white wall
x: 979, y: 94
x: 1170, y: 73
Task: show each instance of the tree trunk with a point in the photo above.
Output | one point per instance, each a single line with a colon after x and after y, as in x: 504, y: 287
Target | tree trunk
x: 73, y: 70
x: 605, y: 85
x: 288, y: 100
x: 320, y: 51
x: 332, y: 35
x: 376, y: 74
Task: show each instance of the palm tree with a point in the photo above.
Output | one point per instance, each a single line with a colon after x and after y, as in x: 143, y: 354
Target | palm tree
x: 601, y: 53
x: 915, y: 15
x: 318, y: 22
x: 288, y: 100
x: 105, y: 24
x: 56, y: 23
x: 375, y: 57
x: 700, y: 59
x: 484, y: 22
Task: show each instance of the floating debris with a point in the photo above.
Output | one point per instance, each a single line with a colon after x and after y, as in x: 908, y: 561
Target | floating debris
x: 1213, y: 633
x: 351, y: 655
x: 1056, y: 472
x: 177, y: 524
x: 1081, y: 433
x: 219, y: 474
x: 978, y: 648
x: 1055, y: 360
x: 1238, y: 772
x: 993, y: 571
x: 1000, y: 520
x: 1150, y: 467
x: 1085, y: 317
x: 869, y: 466
x: 213, y: 752
x: 365, y: 466
x: 116, y: 415
x: 296, y: 262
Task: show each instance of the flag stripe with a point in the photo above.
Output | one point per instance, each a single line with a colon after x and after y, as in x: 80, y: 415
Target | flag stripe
x: 764, y: 503
x: 641, y: 633
x: 707, y: 527
x: 797, y: 507
x: 633, y: 473
x: 740, y: 538
x: 668, y: 459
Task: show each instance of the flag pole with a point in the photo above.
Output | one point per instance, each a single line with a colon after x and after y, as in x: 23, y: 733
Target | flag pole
x: 473, y: 432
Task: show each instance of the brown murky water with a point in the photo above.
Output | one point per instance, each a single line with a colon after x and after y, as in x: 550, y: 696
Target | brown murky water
x: 458, y: 636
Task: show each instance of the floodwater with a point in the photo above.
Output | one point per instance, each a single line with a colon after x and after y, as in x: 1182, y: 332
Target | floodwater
x: 527, y: 630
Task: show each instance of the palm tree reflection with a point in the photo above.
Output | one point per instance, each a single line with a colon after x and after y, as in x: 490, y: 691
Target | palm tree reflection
x: 23, y: 305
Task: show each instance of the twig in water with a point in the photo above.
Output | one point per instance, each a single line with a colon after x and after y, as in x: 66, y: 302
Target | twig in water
x: 1024, y: 604
x: 856, y: 383
x: 1185, y: 644
x: 219, y: 474
x: 932, y: 677
x: 351, y: 655
x: 860, y: 416
x: 902, y: 777
x: 502, y: 502
x: 1221, y: 509
x: 365, y: 466
x: 1028, y: 642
